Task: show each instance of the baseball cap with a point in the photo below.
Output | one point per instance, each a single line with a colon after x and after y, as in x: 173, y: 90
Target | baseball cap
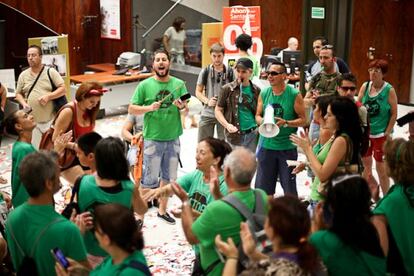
x: 244, y: 63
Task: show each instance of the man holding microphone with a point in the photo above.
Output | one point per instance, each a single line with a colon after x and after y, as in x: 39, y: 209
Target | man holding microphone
x: 236, y: 107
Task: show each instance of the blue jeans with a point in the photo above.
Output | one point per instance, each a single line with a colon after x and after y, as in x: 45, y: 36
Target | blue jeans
x: 271, y: 164
x: 160, y: 160
x: 248, y: 141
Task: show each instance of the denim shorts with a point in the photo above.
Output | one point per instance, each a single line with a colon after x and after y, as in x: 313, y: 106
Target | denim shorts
x: 132, y: 156
x: 160, y: 162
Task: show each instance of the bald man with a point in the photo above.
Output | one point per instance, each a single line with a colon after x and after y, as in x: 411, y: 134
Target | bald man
x: 293, y: 44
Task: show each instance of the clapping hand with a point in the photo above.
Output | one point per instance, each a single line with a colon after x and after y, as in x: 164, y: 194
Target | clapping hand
x: 214, y: 184
x: 61, y: 141
x: 179, y: 192
x: 302, y: 140
x: 228, y: 248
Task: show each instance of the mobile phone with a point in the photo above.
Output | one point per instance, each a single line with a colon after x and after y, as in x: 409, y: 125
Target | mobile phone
x: 60, y: 257
x: 185, y: 97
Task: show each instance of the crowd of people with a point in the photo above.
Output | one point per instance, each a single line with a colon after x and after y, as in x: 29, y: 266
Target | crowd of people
x: 351, y: 224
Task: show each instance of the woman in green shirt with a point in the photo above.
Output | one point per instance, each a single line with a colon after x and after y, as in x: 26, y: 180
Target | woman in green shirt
x: 342, y: 119
x: 110, y: 184
x: 206, y: 182
x: 394, y: 214
x: 121, y: 238
x: 350, y: 243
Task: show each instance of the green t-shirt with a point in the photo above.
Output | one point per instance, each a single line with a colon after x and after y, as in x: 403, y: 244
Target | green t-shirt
x: 321, y: 153
x: 90, y: 195
x: 28, y: 221
x: 284, y: 107
x: 163, y: 124
x: 396, y: 207
x: 379, y: 110
x: 256, y: 66
x: 341, y: 259
x: 246, y: 117
x: 106, y: 268
x: 208, y: 226
x: 19, y: 152
x: 199, y: 191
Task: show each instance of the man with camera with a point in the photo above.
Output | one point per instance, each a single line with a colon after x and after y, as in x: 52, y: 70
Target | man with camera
x: 160, y: 99
x: 209, y: 83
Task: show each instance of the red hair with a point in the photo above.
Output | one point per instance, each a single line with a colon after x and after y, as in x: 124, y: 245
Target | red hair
x: 379, y: 63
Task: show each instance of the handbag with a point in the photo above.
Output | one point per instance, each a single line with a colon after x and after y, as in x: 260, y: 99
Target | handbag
x: 58, y: 103
x: 346, y: 168
x: 46, y: 143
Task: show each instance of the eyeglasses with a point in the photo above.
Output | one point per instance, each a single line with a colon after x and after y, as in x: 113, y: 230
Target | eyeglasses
x: 374, y: 70
x: 274, y: 73
x: 346, y: 88
x: 342, y: 178
x: 325, y: 47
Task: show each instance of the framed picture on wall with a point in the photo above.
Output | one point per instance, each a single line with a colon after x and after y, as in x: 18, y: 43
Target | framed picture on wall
x: 110, y: 19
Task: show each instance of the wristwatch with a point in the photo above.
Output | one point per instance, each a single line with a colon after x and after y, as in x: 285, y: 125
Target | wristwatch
x: 285, y: 124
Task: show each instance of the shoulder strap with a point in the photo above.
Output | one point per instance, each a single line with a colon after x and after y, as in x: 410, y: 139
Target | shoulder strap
x: 230, y: 75
x: 239, y: 206
x: 34, y: 83
x: 205, y: 75
x: 75, y: 189
x: 37, y: 238
x: 72, y: 124
x: 138, y: 266
x: 366, y: 88
x: 51, y: 81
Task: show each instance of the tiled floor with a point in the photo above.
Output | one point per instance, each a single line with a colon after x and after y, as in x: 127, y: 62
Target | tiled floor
x: 166, y: 249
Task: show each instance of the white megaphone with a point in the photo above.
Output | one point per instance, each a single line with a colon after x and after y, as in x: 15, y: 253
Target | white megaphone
x: 268, y: 128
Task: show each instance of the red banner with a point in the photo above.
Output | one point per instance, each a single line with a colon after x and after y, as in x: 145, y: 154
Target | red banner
x: 238, y: 20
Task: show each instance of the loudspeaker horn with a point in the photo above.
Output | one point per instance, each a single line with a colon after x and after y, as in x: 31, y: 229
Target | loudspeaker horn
x: 268, y: 128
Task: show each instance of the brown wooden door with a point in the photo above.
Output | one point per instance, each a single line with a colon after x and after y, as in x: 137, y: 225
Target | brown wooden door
x: 385, y: 26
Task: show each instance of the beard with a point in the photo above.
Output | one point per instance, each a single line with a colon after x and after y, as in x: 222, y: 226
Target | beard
x: 167, y: 71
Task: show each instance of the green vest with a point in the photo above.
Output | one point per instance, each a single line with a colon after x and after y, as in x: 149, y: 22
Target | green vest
x: 379, y: 110
x: 284, y: 107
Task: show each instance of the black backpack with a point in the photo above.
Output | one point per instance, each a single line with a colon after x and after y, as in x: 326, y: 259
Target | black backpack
x: 28, y: 265
x: 256, y: 221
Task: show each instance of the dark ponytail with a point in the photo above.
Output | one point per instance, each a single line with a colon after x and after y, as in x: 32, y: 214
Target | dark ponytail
x: 308, y: 257
x: 118, y: 222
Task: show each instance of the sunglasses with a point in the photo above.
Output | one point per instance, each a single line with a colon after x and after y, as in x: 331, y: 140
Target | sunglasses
x: 324, y: 47
x: 274, y: 73
x: 342, y: 178
x: 346, y: 88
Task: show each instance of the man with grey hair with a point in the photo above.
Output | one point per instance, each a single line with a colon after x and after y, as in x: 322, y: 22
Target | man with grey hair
x: 239, y: 168
x: 43, y: 229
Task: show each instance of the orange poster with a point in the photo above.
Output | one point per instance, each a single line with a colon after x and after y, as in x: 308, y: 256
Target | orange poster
x: 238, y: 20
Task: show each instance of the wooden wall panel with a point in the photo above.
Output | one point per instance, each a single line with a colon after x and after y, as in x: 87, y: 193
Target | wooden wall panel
x: 281, y: 19
x: 386, y: 26
x: 66, y: 17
